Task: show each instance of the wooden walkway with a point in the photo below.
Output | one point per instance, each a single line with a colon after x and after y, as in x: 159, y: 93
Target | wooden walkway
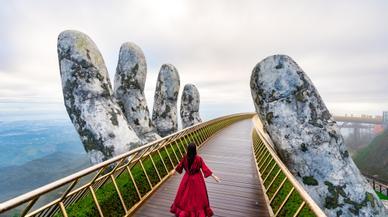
x: 229, y: 155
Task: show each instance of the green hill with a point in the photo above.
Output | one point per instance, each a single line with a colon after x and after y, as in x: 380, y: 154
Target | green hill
x: 373, y: 159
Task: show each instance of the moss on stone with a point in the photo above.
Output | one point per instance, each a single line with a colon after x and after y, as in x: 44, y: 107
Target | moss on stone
x: 332, y: 202
x: 300, y: 96
x: 310, y: 180
x: 369, y: 198
x: 357, y: 206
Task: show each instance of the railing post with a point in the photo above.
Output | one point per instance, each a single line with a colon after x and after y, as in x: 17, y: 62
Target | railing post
x: 169, y: 157
x: 29, y: 206
x: 173, y: 150
x: 387, y: 191
x: 146, y: 174
x: 184, y: 138
x: 206, y: 130
x: 196, y: 137
x: 155, y: 167
x: 193, y: 138
x: 178, y: 145
x: 203, y: 134
x: 96, y: 201
x: 164, y: 164
x: 118, y: 192
x: 199, y: 136
x: 63, y: 209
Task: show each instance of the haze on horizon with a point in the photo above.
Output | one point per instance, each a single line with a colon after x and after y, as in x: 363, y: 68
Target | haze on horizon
x: 341, y: 45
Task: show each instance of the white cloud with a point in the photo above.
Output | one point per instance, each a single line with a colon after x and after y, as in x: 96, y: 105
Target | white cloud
x: 214, y: 44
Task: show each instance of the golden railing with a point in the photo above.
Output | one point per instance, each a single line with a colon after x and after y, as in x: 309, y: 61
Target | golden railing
x: 142, y: 169
x: 283, y: 193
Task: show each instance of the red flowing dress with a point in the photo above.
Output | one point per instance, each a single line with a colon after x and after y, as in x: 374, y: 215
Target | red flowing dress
x: 191, y: 199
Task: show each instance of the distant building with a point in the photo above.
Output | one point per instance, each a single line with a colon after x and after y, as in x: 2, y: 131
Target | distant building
x: 385, y: 119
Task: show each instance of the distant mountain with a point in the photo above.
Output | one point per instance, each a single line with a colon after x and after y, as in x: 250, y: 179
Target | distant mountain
x: 23, y: 141
x: 16, y: 180
x: 373, y: 159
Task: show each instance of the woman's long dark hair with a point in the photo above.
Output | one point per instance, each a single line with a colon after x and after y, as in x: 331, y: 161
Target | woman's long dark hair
x: 191, y: 152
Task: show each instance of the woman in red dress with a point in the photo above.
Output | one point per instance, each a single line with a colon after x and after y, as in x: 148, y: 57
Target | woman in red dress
x: 191, y: 199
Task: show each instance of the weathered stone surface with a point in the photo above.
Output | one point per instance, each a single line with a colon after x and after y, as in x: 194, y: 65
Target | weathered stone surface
x: 87, y: 93
x: 190, y: 106
x: 129, y: 84
x: 164, y: 113
x: 308, y: 140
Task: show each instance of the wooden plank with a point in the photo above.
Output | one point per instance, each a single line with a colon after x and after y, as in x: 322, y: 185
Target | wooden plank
x: 229, y: 155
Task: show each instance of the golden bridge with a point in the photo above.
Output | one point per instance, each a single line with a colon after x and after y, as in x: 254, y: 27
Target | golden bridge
x: 255, y: 182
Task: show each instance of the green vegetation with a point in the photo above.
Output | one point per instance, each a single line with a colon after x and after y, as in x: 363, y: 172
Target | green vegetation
x: 107, y: 195
x: 294, y: 200
x: 381, y: 196
x: 269, y: 170
x: 372, y: 159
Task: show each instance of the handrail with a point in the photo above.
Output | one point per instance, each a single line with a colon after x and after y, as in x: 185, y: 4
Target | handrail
x: 158, y: 157
x: 277, y: 181
x: 376, y: 178
x: 377, y: 184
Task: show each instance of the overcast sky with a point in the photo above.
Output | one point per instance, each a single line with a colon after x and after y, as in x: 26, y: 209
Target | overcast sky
x: 341, y: 45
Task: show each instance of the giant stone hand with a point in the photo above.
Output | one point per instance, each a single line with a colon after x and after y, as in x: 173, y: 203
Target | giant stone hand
x: 88, y: 99
x: 111, y: 124
x: 129, y: 85
x: 164, y: 113
x: 190, y: 106
x: 308, y: 140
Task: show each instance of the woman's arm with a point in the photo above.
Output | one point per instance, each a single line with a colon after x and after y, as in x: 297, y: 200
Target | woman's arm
x: 207, y: 172
x: 179, y: 167
x: 216, y: 178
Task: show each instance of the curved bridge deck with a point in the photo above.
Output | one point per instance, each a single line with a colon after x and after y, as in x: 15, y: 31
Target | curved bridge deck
x: 229, y: 155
